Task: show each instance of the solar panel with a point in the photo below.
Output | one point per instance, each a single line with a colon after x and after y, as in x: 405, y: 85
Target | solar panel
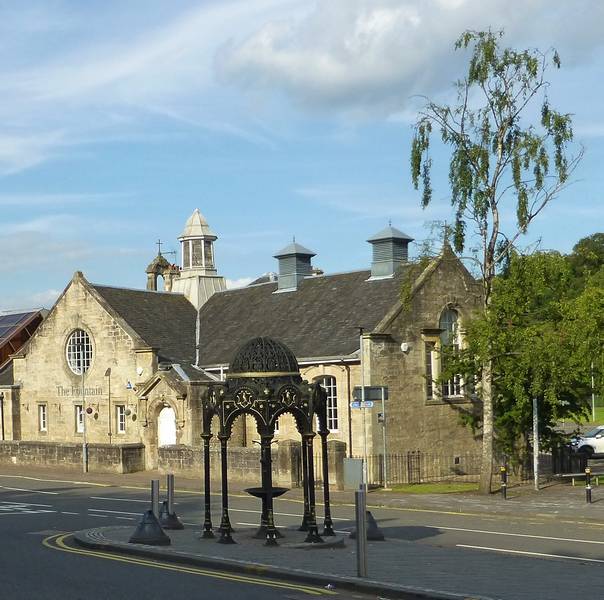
x: 13, y: 319
x: 10, y: 324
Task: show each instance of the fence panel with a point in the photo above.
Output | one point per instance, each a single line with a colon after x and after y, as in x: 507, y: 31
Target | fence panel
x: 415, y: 466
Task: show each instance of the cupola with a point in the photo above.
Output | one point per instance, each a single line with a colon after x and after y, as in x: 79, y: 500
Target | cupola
x: 390, y: 250
x: 197, y: 244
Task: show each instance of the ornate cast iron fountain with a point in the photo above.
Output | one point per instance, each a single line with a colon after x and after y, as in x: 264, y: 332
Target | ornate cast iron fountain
x: 264, y: 381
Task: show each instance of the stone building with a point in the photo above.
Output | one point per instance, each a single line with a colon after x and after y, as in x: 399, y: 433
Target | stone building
x: 123, y: 370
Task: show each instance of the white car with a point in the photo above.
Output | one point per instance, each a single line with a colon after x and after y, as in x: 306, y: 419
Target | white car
x: 592, y: 442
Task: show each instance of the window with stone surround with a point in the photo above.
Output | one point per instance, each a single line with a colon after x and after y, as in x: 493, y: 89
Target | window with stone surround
x: 120, y: 418
x: 79, y: 352
x: 328, y: 383
x: 79, y: 418
x: 431, y: 368
x: 446, y: 337
x: 42, y: 417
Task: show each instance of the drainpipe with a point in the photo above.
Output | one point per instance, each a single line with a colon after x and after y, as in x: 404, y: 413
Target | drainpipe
x: 197, y: 335
x: 348, y: 408
x: 2, y: 412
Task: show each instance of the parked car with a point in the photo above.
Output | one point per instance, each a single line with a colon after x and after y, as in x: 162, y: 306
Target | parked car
x: 591, y: 442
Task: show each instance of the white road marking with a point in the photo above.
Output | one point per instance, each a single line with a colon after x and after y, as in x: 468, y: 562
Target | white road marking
x: 57, y: 480
x: 114, y: 512
x: 27, y: 503
x: 26, y: 512
x: 257, y: 525
x: 280, y: 514
x: 522, y: 535
x: 30, y: 491
x: 100, y: 516
x: 126, y: 518
x: 525, y: 553
x: 23, y: 508
x: 121, y: 499
x: 66, y: 512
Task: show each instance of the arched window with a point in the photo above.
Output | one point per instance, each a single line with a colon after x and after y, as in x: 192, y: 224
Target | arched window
x: 79, y: 352
x: 328, y: 383
x: 448, y: 324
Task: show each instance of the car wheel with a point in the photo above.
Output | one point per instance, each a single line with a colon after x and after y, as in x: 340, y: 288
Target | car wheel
x: 588, y: 451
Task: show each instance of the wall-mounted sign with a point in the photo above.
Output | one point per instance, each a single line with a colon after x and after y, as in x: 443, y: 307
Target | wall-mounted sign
x: 74, y: 391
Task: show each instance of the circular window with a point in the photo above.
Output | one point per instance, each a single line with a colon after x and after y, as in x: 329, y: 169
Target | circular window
x: 79, y: 352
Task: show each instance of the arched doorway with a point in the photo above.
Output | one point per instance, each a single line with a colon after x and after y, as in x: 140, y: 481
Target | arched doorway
x: 166, y: 427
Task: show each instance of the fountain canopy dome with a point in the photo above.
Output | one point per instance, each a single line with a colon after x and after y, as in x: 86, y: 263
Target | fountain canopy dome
x: 263, y: 357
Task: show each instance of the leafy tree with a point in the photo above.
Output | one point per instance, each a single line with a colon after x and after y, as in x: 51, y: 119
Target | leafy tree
x: 541, y: 338
x: 587, y: 259
x: 497, y: 160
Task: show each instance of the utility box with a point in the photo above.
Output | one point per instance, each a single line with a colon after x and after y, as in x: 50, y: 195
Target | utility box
x: 353, y: 473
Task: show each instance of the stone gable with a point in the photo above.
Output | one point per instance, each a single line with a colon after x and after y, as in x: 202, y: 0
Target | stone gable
x: 46, y: 379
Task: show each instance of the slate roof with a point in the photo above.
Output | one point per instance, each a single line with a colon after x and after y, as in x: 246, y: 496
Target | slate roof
x: 390, y: 233
x: 6, y: 374
x: 319, y: 319
x: 165, y: 321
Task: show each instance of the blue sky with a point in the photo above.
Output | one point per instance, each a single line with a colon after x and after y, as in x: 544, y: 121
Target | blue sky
x: 273, y: 117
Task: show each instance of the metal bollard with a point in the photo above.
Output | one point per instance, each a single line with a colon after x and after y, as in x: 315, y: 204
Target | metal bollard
x: 588, y: 485
x: 155, y: 497
x: 504, y: 482
x: 361, y: 531
x: 170, y: 482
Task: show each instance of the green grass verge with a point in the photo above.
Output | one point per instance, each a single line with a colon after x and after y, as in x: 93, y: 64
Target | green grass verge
x: 435, y: 488
x: 599, y: 420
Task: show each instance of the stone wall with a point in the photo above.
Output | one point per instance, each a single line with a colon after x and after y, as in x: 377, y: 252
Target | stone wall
x: 102, y: 458
x: 244, y: 463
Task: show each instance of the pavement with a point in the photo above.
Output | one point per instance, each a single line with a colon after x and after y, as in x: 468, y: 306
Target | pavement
x: 402, y: 568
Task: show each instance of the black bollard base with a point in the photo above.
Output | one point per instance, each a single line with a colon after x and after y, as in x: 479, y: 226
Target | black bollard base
x: 226, y: 538
x: 207, y: 534
x: 169, y: 520
x: 261, y: 533
x: 313, y: 536
x: 149, y: 532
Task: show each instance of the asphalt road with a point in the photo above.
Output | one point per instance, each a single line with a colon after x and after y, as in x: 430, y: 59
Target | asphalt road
x: 35, y: 561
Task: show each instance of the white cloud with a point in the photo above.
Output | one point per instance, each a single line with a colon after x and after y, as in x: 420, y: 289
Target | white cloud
x: 71, y: 74
x: 37, y: 249
x: 46, y: 298
x: 53, y: 200
x: 374, y: 55
x: 238, y: 283
x: 372, y: 203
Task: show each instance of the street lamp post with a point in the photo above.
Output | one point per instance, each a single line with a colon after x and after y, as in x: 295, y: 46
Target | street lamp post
x: 536, y: 443
x: 364, y: 412
x: 108, y: 375
x: 84, y: 442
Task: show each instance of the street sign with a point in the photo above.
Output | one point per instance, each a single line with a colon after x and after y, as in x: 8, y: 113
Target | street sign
x: 372, y: 392
x: 359, y: 404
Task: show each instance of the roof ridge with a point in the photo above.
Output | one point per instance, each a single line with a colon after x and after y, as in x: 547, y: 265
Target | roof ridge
x: 129, y: 289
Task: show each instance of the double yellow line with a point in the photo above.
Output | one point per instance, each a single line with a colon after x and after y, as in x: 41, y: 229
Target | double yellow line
x: 57, y: 542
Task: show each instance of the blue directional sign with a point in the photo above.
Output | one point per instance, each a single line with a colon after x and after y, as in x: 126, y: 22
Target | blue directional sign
x: 359, y: 404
